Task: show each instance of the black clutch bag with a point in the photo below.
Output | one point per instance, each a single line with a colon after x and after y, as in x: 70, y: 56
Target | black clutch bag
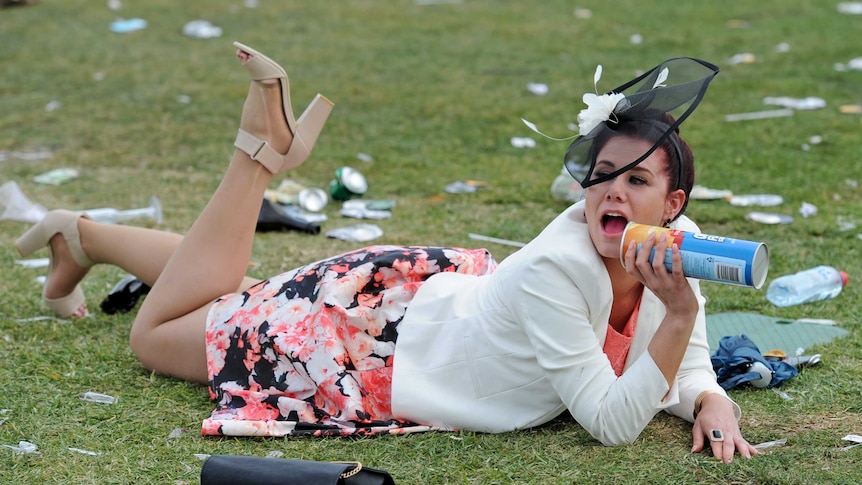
x: 253, y: 470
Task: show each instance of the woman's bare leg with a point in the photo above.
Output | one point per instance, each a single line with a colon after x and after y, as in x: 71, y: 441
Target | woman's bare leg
x: 137, y: 250
x: 168, y: 335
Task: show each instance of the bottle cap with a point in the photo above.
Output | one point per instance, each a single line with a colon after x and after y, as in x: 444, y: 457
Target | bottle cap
x: 844, y: 278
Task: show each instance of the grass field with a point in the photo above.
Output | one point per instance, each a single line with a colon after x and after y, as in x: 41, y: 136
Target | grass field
x: 433, y: 92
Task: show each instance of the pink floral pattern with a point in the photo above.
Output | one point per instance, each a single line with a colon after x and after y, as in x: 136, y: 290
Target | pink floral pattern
x: 310, y: 351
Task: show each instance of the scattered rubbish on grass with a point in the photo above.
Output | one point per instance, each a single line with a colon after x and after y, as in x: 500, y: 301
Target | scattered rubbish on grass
x: 749, y: 200
x: 794, y: 360
x: 771, y: 444
x: 855, y: 438
x: 17, y: 207
x: 177, y: 433
x: 464, y: 186
x: 26, y: 156
x: 436, y: 2
x: 57, y: 176
x: 809, y: 103
x: 109, y: 215
x: 367, y: 209
x: 782, y: 47
x: 33, y: 263
x: 807, y: 210
x: 4, y: 412
x: 583, y: 13
x: 96, y: 397
x: 23, y: 447
x: 184, y: 99
x: 699, y: 192
x: 539, y: 89
x: 854, y: 64
x: 850, y: 109
x: 759, y: 115
x: 817, y: 321
x: 53, y: 105
x: 812, y: 140
x: 114, y: 5
x: 636, y: 39
x: 84, y: 452
x: 201, y: 29
x: 275, y: 454
x: 98, y: 76
x: 287, y: 192
x: 845, y: 223
x: 41, y: 318
x: 505, y: 242
x: 201, y: 456
x: 738, y: 24
x: 769, y: 218
x: 522, y: 142
x: 348, y: 183
x: 852, y: 8
x: 312, y: 199
x: 124, y: 26
x: 250, y: 3
x: 743, y: 58
x: 566, y: 188
x: 364, y: 157
x: 356, y: 233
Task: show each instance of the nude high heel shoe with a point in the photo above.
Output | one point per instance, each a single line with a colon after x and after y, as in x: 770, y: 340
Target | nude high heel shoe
x: 57, y: 222
x: 305, y: 131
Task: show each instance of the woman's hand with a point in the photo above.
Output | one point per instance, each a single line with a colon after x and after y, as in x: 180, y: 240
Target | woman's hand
x: 671, y: 288
x: 716, y: 414
x: 670, y: 341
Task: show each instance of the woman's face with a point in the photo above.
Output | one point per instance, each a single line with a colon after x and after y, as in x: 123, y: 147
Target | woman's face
x: 638, y: 195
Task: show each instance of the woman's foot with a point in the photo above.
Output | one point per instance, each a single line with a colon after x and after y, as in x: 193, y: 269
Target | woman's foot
x: 268, y: 124
x: 68, y: 263
x: 268, y: 132
x: 64, y: 275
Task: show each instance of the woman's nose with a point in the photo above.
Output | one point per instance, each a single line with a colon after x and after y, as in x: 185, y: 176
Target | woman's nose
x: 615, y: 189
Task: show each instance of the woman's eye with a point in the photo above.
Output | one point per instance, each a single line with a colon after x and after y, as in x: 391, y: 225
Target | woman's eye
x: 637, y: 180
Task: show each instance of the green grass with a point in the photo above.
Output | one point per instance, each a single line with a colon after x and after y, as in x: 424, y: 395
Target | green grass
x: 433, y: 93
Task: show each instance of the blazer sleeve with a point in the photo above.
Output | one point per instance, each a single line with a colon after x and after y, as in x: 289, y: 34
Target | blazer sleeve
x: 696, y: 373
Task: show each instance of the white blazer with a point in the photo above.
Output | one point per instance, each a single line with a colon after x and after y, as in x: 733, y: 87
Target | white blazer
x: 516, y: 348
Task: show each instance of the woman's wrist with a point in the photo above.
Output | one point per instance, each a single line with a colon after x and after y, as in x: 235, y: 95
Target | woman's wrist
x: 698, y: 401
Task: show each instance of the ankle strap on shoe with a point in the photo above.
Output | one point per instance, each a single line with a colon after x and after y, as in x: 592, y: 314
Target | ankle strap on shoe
x: 259, y: 150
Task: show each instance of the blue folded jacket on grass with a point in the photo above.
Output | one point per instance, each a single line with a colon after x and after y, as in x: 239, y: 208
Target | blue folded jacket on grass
x: 735, y: 357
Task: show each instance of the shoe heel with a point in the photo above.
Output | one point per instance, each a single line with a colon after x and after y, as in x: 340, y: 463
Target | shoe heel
x: 31, y: 241
x: 308, y: 128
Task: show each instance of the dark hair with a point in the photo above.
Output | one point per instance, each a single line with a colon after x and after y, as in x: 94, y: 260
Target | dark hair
x: 680, y: 159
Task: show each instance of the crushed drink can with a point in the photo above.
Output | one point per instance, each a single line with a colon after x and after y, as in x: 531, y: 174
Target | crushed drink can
x: 348, y: 182
x: 707, y: 257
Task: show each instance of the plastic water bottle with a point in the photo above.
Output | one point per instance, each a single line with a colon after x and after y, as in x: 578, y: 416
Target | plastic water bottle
x: 815, y: 284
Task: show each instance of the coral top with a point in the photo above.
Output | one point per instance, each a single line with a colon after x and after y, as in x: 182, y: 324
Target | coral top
x: 617, y: 344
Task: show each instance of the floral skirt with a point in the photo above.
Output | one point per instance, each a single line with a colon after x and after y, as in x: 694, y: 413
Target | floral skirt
x: 310, y: 351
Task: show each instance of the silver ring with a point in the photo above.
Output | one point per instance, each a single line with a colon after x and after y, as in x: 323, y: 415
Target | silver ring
x: 716, y: 435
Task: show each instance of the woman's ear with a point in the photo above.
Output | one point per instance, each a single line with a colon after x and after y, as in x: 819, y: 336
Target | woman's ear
x: 673, y: 204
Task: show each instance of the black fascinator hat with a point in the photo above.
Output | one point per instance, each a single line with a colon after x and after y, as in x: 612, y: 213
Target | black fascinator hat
x: 663, y: 97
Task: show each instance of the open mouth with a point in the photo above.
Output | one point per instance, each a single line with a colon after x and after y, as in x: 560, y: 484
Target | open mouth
x: 613, y: 224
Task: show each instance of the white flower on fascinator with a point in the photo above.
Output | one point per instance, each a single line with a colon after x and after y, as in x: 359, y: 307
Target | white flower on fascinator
x: 599, y: 108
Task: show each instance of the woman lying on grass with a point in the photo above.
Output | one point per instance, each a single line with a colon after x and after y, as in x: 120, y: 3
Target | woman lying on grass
x: 559, y: 325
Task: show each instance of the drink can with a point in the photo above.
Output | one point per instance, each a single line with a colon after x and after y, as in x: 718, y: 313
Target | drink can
x: 312, y: 199
x: 706, y: 257
x: 348, y: 182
